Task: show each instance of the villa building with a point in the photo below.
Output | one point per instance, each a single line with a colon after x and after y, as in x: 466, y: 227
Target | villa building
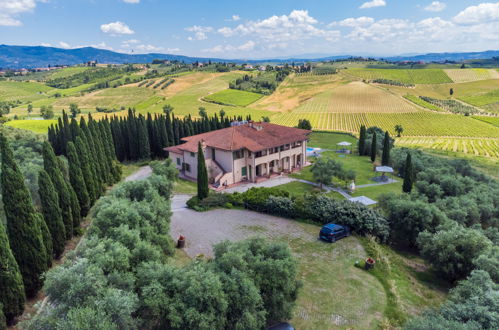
x: 244, y: 152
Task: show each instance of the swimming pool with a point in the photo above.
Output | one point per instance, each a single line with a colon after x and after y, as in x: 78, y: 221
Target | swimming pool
x: 310, y: 149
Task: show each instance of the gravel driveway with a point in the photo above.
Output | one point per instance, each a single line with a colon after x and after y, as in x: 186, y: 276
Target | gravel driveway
x: 204, y: 229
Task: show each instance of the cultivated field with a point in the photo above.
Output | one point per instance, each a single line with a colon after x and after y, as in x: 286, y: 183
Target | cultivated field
x: 233, y: 97
x: 466, y: 75
x: 295, y: 90
x: 491, y: 120
x: 108, y: 98
x: 38, y: 126
x: 356, y: 97
x: 332, y: 102
x: 487, y: 147
x: 415, y: 124
x: 23, y: 91
x: 407, y: 76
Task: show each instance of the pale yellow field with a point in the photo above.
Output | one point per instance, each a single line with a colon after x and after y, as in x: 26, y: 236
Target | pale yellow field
x: 356, y: 97
x: 467, y: 75
x: 295, y: 90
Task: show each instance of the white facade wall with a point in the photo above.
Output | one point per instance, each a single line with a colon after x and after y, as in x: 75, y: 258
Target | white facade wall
x: 234, y: 167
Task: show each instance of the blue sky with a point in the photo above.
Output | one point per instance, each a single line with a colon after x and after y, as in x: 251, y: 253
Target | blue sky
x: 254, y: 29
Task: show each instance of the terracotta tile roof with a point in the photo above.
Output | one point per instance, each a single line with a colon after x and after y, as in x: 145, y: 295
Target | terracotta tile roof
x: 244, y: 136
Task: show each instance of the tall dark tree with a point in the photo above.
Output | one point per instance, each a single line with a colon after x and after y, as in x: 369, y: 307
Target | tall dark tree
x: 47, y: 239
x: 52, y: 167
x: 77, y: 180
x: 362, y: 140
x: 385, y: 157
x: 11, y: 282
x: 93, y: 188
x: 25, y: 235
x: 75, y: 209
x: 408, y: 175
x: 143, y: 140
x: 202, y: 179
x: 52, y: 213
x: 374, y: 148
x: 169, y: 130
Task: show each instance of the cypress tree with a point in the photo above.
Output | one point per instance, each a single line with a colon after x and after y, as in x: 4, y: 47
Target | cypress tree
x: 3, y: 321
x: 143, y: 140
x: 169, y: 130
x: 11, y: 282
x: 97, y: 166
x: 362, y: 140
x: 23, y: 229
x: 75, y: 210
x: 385, y: 157
x: 77, y: 181
x: 100, y: 155
x: 176, y: 132
x: 52, y: 167
x: 408, y: 175
x: 52, y: 213
x: 374, y: 147
x: 163, y: 135
x: 87, y: 171
x: 202, y: 174
x: 109, y: 151
x: 47, y: 239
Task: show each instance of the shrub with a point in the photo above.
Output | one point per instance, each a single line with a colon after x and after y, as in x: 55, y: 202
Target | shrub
x: 362, y: 220
x: 452, y: 249
x: 255, y: 198
x: 472, y: 305
x: 213, y: 200
x: 319, y: 208
x: 281, y: 206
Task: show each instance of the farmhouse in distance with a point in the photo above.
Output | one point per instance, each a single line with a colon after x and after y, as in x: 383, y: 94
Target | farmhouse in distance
x: 246, y: 151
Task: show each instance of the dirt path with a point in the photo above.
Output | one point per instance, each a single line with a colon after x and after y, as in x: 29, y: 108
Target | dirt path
x: 143, y: 173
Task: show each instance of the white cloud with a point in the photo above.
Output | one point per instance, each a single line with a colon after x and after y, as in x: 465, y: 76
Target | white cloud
x: 250, y: 45
x: 246, y: 47
x: 11, y: 9
x: 354, y: 22
x: 130, y: 42
x: 131, y: 1
x: 199, y: 32
x: 435, y: 6
x: 483, y: 13
x: 298, y: 25
x: 236, y: 18
x: 116, y: 28
x: 63, y: 44
x: 372, y: 4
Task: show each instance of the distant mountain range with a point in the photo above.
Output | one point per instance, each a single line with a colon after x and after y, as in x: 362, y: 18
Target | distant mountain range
x: 17, y: 57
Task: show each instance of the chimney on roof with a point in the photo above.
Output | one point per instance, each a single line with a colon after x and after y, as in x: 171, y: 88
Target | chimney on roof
x: 255, y: 126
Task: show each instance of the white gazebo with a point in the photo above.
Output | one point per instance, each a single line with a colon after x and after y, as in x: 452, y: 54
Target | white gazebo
x: 343, y: 148
x: 383, y: 170
x: 363, y: 200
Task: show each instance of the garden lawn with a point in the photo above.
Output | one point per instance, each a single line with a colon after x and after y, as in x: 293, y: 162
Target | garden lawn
x: 374, y: 192
x: 233, y: 97
x: 327, y: 140
x: 361, y: 165
x: 185, y: 187
x: 297, y: 188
